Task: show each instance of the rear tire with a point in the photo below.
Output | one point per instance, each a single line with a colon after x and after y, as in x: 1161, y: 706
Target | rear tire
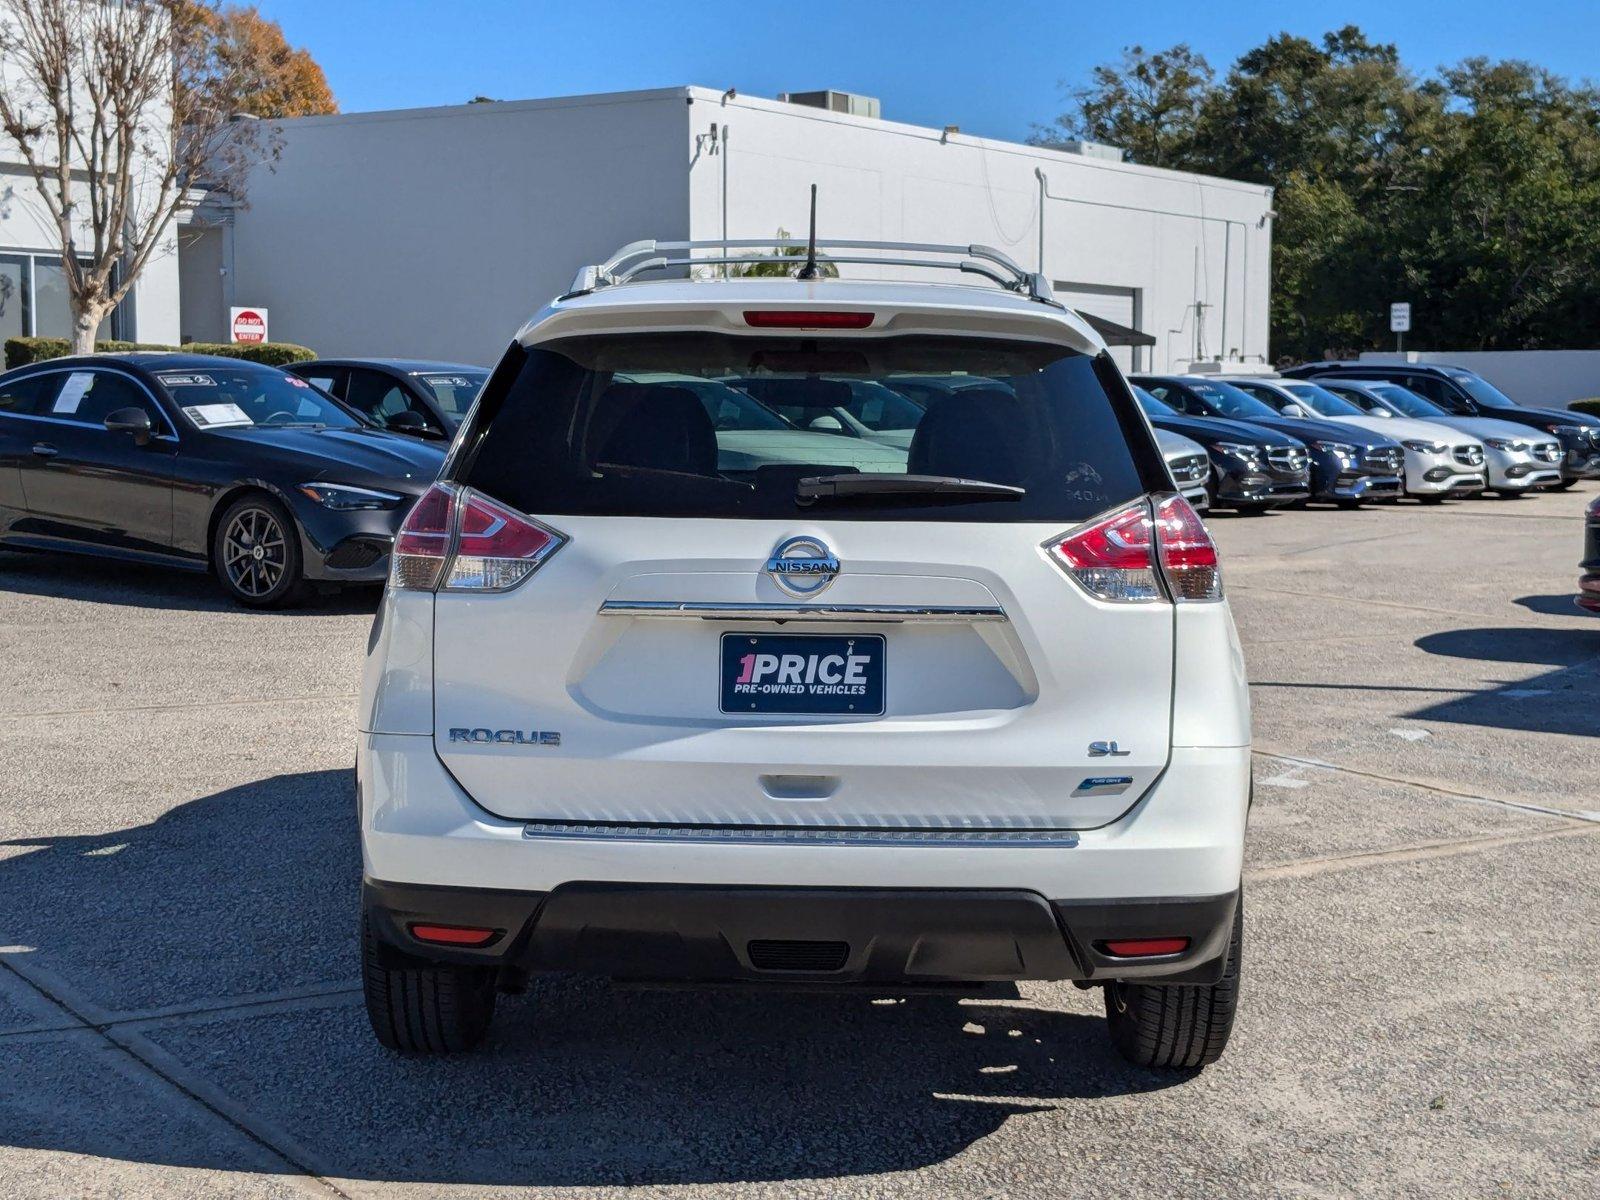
x: 422, y: 1007
x: 1177, y: 1026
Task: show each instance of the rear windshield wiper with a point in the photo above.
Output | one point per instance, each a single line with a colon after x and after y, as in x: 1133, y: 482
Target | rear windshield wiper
x: 819, y: 487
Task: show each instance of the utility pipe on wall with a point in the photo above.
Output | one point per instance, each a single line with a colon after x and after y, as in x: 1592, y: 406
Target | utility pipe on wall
x: 1227, y: 246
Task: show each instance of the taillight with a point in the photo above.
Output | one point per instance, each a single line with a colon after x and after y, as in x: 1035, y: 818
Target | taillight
x: 1111, y: 559
x: 423, y: 543
x: 1188, y: 555
x: 457, y: 540
x: 1126, y: 556
x: 497, y: 548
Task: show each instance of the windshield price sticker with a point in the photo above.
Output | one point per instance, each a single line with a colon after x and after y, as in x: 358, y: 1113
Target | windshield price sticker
x: 182, y: 379
x: 217, y: 416
x: 447, y: 381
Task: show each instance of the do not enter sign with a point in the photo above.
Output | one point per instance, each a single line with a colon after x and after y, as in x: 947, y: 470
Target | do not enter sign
x: 248, y: 325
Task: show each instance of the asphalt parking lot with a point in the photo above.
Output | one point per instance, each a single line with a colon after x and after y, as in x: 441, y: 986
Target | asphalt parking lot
x: 179, y: 1010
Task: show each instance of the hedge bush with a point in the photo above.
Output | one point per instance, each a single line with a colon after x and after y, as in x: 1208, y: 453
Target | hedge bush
x: 273, y: 354
x: 20, y: 351
x: 1590, y: 406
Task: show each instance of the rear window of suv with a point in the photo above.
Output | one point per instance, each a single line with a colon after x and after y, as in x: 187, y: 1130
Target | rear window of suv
x: 708, y: 425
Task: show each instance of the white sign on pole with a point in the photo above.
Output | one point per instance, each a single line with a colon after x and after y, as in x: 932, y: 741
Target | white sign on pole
x: 247, y: 325
x: 1400, y: 317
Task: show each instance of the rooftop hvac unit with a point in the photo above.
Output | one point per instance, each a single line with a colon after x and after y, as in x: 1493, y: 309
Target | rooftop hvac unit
x: 1091, y: 150
x: 843, y: 102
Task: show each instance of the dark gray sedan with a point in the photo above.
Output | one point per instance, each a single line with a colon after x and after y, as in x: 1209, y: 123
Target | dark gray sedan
x: 403, y: 395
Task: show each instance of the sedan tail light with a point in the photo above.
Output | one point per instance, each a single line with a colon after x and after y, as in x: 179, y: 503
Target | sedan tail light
x: 458, y: 540
x: 1151, y: 550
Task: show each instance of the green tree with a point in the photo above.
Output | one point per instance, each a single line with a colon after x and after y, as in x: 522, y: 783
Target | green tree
x: 785, y: 261
x: 1148, y: 104
x: 1472, y: 193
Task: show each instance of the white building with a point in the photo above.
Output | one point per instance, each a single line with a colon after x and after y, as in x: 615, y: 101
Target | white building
x: 432, y: 233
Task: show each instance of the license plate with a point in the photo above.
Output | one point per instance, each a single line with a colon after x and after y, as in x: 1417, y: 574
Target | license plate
x: 802, y: 673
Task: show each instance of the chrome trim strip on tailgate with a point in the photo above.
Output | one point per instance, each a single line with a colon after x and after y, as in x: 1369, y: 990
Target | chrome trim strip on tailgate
x: 855, y: 613
x: 769, y: 836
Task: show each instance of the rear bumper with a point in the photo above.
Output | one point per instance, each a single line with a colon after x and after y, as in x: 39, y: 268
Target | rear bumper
x: 1184, y: 837
x: 807, y: 935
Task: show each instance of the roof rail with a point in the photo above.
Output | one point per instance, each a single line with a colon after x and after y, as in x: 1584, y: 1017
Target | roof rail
x: 637, y: 258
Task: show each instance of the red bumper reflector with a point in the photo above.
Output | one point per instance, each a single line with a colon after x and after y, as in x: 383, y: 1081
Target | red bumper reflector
x: 453, y: 935
x: 1146, y: 947
x: 806, y: 319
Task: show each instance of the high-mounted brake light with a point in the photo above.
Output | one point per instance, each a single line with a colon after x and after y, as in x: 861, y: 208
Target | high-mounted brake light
x: 1127, y: 556
x: 458, y: 540
x: 788, y: 318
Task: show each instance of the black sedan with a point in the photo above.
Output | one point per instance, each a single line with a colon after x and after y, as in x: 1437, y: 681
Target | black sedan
x: 1348, y: 464
x: 1252, y: 468
x: 1465, y: 393
x: 402, y: 395
x: 205, y: 464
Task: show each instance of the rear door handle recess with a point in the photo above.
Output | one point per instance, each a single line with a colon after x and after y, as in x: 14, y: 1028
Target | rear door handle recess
x: 45, y: 450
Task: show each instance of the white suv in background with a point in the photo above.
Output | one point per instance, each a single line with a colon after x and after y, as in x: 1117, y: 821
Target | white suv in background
x: 655, y: 699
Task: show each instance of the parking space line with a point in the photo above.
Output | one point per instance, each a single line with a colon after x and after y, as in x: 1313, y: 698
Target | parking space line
x: 1407, y: 854
x: 174, y: 1074
x: 1348, y: 599
x: 1437, y: 788
x: 241, y: 702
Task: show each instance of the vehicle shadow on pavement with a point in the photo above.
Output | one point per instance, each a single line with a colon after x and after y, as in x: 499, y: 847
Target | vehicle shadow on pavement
x: 1565, y: 699
x: 105, y: 581
x: 1561, y: 605
x: 231, y: 899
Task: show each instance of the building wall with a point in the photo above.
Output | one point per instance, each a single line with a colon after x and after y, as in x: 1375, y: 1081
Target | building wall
x: 1170, y: 237
x: 1547, y: 378
x: 434, y: 233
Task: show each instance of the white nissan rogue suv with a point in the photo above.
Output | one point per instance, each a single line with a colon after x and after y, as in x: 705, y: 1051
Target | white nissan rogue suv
x: 678, y: 677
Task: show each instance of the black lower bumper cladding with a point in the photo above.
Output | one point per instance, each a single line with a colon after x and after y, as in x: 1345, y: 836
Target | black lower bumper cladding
x: 766, y: 935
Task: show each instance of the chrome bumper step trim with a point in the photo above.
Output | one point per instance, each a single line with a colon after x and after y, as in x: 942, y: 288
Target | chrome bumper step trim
x: 853, y: 613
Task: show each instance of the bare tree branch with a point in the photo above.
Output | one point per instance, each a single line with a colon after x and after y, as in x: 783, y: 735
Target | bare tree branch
x: 117, y: 108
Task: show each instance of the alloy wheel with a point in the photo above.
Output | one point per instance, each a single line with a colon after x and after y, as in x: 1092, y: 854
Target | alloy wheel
x: 254, y: 552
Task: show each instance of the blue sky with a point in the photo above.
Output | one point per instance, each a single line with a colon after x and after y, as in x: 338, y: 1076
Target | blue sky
x: 992, y: 68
